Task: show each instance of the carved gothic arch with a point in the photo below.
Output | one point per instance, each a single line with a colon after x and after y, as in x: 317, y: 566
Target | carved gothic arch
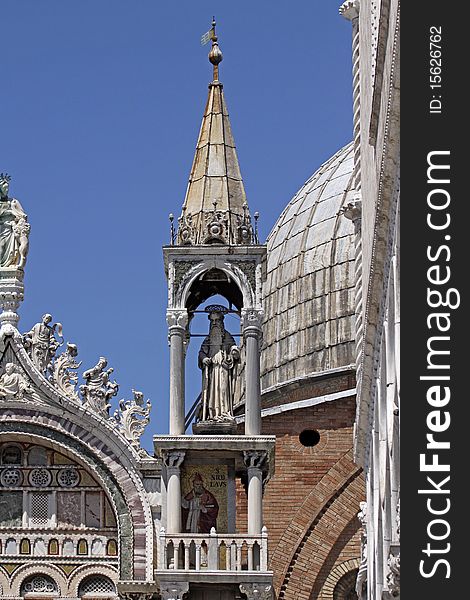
x: 86, y: 571
x: 39, y: 568
x: 123, y: 486
x: 183, y: 291
x: 46, y: 394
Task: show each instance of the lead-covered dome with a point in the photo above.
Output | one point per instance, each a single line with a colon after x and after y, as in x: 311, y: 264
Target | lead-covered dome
x: 309, y: 291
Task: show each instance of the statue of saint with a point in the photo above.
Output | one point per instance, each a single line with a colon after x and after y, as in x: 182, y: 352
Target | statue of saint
x: 218, y: 359
x: 14, y: 228
x: 98, y: 389
x: 12, y: 383
x: 362, y: 572
x: 41, y: 342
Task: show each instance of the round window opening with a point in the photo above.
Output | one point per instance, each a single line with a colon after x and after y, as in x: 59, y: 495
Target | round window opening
x: 309, y: 437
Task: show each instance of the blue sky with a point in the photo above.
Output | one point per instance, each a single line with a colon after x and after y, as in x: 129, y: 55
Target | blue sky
x: 101, y: 106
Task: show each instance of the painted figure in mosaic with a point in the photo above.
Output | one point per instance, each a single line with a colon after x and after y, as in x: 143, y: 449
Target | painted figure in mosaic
x: 200, y: 508
x: 41, y: 342
x: 218, y: 358
x: 14, y: 228
x: 12, y: 383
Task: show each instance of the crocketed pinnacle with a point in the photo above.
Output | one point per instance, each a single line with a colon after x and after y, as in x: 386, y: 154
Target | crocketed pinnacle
x: 215, y: 208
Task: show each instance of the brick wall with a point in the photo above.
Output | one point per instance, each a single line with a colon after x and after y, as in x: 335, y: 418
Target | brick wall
x: 311, y: 502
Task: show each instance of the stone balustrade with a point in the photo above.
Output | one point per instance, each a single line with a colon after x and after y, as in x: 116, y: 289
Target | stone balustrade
x: 213, y: 552
x: 33, y: 543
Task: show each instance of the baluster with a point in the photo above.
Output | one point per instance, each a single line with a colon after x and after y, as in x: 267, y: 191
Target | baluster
x: 227, y: 557
x: 233, y: 555
x: 186, y: 556
x: 264, y: 549
x: 239, y: 557
x: 250, y: 556
x: 204, y: 557
x: 213, y: 551
x: 198, y: 557
x: 179, y: 556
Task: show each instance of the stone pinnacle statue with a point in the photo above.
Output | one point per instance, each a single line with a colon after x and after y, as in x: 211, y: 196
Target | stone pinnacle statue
x: 218, y: 359
x: 14, y: 228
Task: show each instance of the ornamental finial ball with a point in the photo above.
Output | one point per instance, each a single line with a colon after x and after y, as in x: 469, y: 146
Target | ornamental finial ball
x: 215, y: 54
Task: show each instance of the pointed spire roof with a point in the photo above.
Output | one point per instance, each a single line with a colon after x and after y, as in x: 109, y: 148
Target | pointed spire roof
x: 215, y: 208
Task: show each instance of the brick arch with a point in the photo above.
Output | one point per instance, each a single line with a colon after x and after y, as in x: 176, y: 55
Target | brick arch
x: 351, y: 533
x: 335, y: 575
x: 331, y: 484
x: 323, y: 535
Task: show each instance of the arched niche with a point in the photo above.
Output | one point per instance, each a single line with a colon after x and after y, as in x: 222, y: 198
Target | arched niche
x: 213, y: 282
x: 215, y: 277
x: 103, y: 474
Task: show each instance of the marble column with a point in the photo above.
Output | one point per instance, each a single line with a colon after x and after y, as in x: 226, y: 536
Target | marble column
x: 251, y: 326
x: 254, y: 461
x: 177, y: 322
x: 173, y: 460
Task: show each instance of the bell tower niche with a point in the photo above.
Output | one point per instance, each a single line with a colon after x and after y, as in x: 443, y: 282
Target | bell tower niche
x: 215, y: 252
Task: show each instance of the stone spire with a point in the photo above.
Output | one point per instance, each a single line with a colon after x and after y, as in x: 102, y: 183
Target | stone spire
x: 215, y: 210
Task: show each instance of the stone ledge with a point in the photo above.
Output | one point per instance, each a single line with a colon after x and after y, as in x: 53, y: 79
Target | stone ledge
x: 260, y: 577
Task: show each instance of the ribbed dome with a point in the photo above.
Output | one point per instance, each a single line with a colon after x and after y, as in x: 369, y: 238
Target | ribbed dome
x: 309, y: 291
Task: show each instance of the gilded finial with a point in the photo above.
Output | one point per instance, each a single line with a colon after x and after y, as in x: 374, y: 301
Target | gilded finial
x: 215, y: 54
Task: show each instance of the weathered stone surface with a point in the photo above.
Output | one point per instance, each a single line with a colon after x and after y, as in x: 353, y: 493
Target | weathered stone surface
x: 308, y: 294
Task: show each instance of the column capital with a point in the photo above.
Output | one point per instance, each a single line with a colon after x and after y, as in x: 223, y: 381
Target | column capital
x: 177, y: 318
x: 173, y: 459
x: 349, y: 9
x: 255, y: 459
x: 252, y: 320
x: 173, y: 590
x: 257, y: 591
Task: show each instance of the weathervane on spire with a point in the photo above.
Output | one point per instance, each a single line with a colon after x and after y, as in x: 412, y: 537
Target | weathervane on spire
x: 215, y: 54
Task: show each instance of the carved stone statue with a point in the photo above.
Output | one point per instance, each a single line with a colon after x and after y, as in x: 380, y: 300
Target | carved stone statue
x: 12, y: 384
x: 98, y: 389
x: 14, y: 228
x: 64, y: 372
x: 41, y: 343
x: 132, y: 417
x: 362, y: 572
x: 218, y: 358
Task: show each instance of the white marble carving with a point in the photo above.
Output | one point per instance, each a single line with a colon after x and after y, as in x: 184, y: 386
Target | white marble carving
x: 64, y: 375
x: 393, y: 575
x: 13, y: 384
x: 41, y: 342
x: 362, y: 572
x: 218, y: 359
x: 14, y: 228
x: 257, y: 591
x: 98, y: 389
x: 132, y: 417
